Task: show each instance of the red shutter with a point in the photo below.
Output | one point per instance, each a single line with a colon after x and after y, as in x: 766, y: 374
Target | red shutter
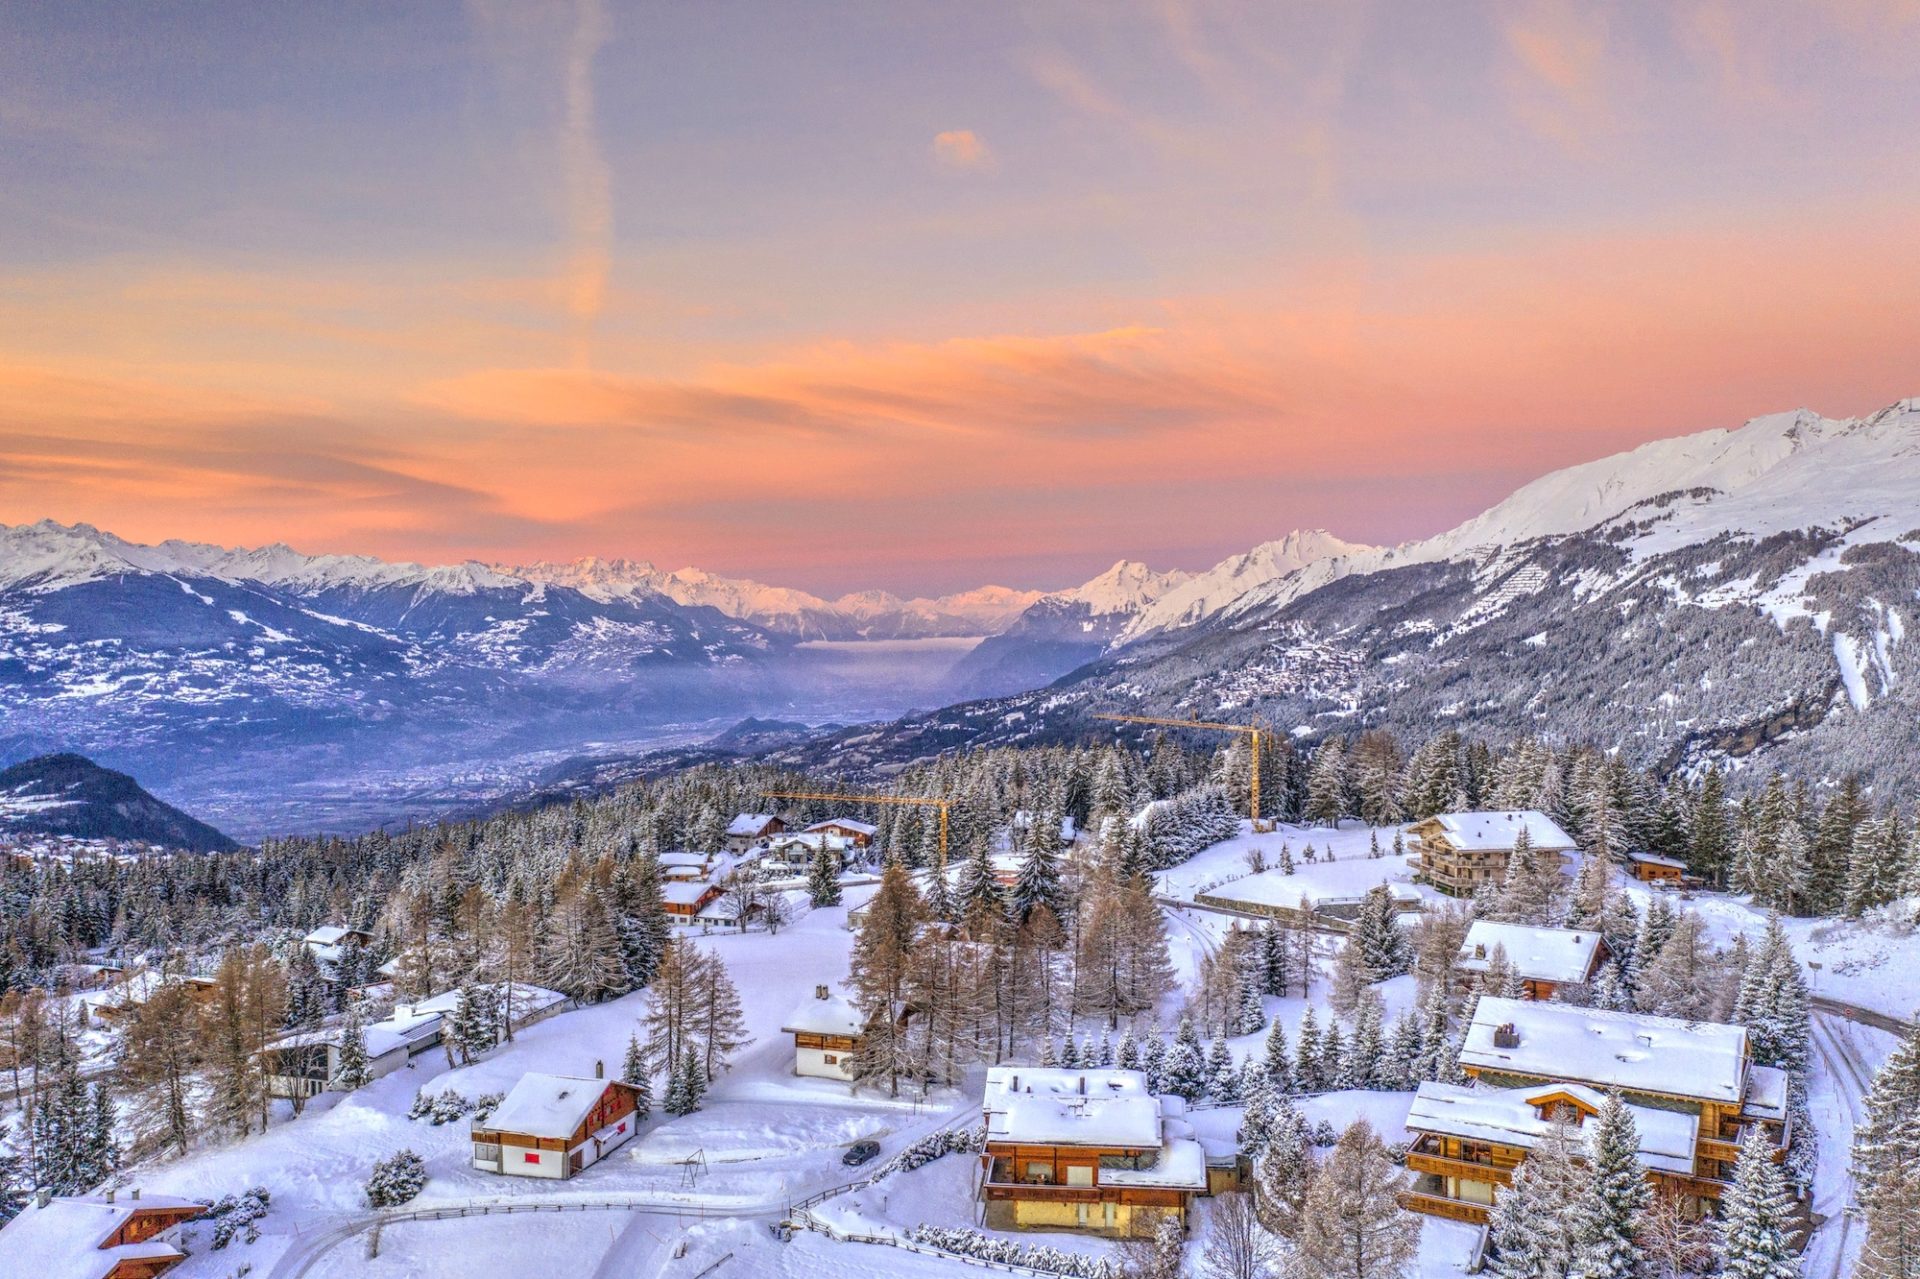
x: 531, y: 1157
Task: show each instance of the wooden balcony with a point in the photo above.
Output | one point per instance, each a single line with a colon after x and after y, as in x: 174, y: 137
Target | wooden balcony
x: 1443, y: 1166
x: 1440, y: 1206
x: 1043, y: 1191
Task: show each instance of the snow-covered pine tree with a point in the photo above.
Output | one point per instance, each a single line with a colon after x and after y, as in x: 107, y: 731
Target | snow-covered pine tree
x: 633, y: 1067
x: 1533, y: 1230
x: 823, y: 879
x: 1277, y: 1061
x: 1618, y: 1195
x: 1366, y: 1066
x: 1127, y: 1056
x: 1307, y: 1062
x: 1756, y: 1226
x: 1223, y: 1076
x: 1886, y: 1166
x: 1283, y: 1169
x: 353, y: 1069
x: 1185, y: 1071
x: 1153, y: 1059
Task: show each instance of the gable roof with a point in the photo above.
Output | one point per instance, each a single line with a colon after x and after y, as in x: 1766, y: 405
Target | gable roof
x: 63, y: 1240
x: 1509, y: 1117
x: 1542, y: 954
x: 846, y: 823
x: 834, y: 1015
x: 547, y: 1105
x: 1486, y: 831
x: 1631, y: 1051
x: 750, y: 823
x: 684, y: 892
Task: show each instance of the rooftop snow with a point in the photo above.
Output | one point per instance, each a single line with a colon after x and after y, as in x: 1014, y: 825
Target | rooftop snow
x: 546, y: 1105
x: 1499, y: 830
x: 749, y: 823
x: 833, y: 1015
x: 1539, y: 954
x: 1050, y: 1106
x: 1508, y: 1117
x: 683, y: 894
x: 846, y: 823
x: 1632, y: 1051
x: 62, y: 1240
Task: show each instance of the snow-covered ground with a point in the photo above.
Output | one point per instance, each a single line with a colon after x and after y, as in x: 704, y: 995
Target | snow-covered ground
x: 1223, y: 869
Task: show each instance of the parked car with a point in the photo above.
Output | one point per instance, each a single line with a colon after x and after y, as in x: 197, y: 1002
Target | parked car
x: 859, y: 1152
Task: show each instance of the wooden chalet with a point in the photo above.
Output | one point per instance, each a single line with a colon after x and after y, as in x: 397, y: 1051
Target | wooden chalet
x: 1651, y: 868
x: 683, y: 900
x: 554, y: 1126
x: 105, y: 1236
x: 1693, y: 1088
x: 827, y: 1031
x: 115, y: 1003
x: 748, y: 829
x: 1458, y: 852
x: 857, y: 834
x: 1089, y: 1150
x: 1547, y: 960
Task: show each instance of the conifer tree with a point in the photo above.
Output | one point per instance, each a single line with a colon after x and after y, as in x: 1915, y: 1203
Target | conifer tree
x: 1277, y: 1063
x: 1617, y: 1197
x: 1223, y: 1076
x: 353, y: 1069
x: 1185, y: 1073
x: 823, y: 880
x: 1756, y: 1227
x: 1283, y: 1168
x: 1534, y: 1229
x: 1307, y: 1059
x: 633, y: 1067
x: 880, y: 972
x: 1351, y: 1224
x: 1886, y: 1166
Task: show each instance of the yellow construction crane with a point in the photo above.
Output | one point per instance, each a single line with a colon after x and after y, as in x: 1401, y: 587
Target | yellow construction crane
x: 1251, y: 730
x: 940, y: 804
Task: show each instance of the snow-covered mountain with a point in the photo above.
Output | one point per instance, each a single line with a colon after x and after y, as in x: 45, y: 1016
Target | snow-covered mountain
x: 1730, y: 595
x: 786, y: 611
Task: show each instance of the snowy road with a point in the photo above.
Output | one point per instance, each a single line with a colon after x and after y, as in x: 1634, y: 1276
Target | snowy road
x: 1839, y: 1086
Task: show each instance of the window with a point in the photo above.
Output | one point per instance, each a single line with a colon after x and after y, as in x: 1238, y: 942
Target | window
x: 531, y: 1157
x: 1079, y: 1175
x: 1040, y: 1173
x: 830, y: 1059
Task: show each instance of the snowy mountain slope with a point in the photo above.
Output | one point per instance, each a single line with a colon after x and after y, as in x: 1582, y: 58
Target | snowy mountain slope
x: 1204, y: 594
x: 786, y: 611
x: 72, y: 796
x: 1732, y: 596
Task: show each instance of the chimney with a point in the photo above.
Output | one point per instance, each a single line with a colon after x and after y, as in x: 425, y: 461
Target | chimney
x: 1083, y: 1085
x: 1506, y: 1035
x: 109, y: 1194
x: 42, y: 1197
x: 599, y: 1070
x: 819, y: 992
x: 134, y: 1193
x: 1480, y: 950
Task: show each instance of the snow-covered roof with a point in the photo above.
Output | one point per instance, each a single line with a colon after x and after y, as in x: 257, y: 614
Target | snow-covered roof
x: 684, y: 894
x: 1541, y: 954
x: 1511, y: 1117
x: 1654, y: 859
x: 1052, y: 1106
x: 685, y: 859
x: 62, y: 1240
x: 846, y: 823
x: 1182, y: 1165
x: 332, y: 934
x: 1632, y: 1051
x: 1499, y: 830
x: 750, y: 823
x: 1766, y: 1093
x: 546, y: 1105
x: 526, y: 999
x: 833, y: 1015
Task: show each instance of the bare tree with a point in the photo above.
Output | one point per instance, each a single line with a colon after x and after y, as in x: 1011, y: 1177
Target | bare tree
x: 1352, y: 1226
x: 1238, y: 1246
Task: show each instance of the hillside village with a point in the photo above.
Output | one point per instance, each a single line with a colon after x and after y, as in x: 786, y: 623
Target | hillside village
x: 1061, y: 1011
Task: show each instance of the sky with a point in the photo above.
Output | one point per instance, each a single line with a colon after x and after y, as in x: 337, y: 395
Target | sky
x: 923, y: 295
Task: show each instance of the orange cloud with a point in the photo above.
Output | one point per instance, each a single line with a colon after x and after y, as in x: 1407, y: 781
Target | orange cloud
x: 1561, y: 53
x: 962, y: 149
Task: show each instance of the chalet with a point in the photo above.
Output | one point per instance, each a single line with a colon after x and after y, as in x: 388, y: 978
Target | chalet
x: 858, y: 834
x: 748, y: 829
x: 1086, y: 1150
x: 304, y: 1064
x: 683, y: 901
x: 1651, y: 868
x: 1458, y: 852
x: 124, y: 998
x: 1547, y: 960
x: 105, y: 1236
x: 1468, y: 1140
x: 801, y: 846
x: 685, y: 866
x: 329, y: 944
x: 1551, y: 1057
x: 555, y: 1126
x: 827, y: 1031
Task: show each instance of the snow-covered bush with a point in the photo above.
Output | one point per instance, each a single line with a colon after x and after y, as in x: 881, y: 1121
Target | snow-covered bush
x: 930, y: 1147
x: 396, y: 1179
x: 1325, y: 1134
x: 238, y: 1215
x: 449, y: 1106
x: 1034, y: 1256
x: 422, y: 1104
x: 486, y: 1103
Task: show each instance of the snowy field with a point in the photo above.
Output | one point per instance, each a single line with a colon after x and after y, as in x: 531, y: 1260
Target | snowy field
x: 1223, y: 870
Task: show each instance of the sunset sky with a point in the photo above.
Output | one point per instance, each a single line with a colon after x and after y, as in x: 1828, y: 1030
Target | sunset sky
x: 923, y: 295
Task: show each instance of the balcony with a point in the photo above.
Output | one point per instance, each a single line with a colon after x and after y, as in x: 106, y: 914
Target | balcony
x: 1440, y: 1206
x: 1423, y: 1156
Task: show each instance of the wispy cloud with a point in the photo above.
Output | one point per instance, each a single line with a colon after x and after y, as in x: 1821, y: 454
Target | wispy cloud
x: 1560, y: 83
x: 962, y: 149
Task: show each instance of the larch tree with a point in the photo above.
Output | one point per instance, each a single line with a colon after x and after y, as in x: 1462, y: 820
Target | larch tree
x: 1351, y: 1225
x: 880, y: 971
